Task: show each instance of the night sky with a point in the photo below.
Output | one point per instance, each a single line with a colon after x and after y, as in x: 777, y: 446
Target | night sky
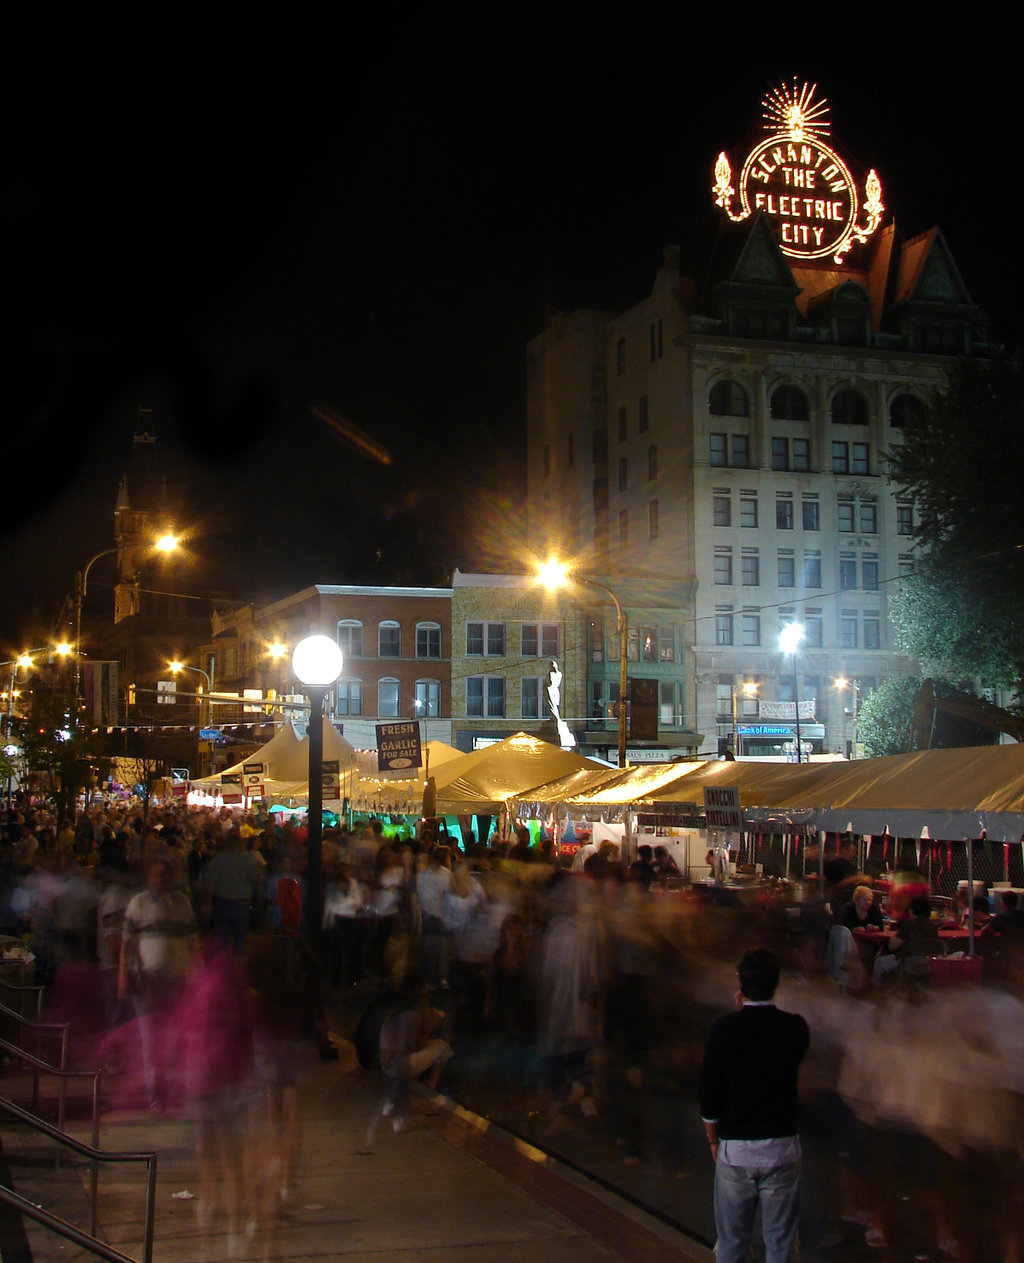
x: 231, y: 230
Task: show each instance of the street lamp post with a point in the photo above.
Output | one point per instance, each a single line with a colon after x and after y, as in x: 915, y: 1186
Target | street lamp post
x: 165, y: 544
x: 24, y: 661
x: 556, y: 574
x: 81, y: 587
x: 842, y: 682
x: 790, y: 638
x: 317, y: 662
x: 749, y: 689
x: 175, y: 667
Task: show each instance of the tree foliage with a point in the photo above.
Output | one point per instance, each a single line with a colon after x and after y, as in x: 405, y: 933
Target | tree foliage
x: 963, y: 465
x: 885, y: 715
x: 885, y: 720
x: 943, y: 616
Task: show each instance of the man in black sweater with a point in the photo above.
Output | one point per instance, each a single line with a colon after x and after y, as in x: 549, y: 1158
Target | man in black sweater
x: 748, y: 1101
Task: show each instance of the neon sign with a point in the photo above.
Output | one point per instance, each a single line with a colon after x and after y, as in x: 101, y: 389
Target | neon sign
x: 799, y: 181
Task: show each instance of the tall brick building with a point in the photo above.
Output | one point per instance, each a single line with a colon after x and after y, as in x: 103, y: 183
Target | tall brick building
x: 729, y: 435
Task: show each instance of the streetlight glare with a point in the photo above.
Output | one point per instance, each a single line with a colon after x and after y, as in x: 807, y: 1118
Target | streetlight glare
x: 175, y: 667
x: 167, y: 543
x: 553, y: 573
x: 790, y: 637
x: 317, y: 660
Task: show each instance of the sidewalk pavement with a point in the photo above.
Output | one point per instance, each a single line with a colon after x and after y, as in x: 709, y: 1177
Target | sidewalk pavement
x: 448, y: 1186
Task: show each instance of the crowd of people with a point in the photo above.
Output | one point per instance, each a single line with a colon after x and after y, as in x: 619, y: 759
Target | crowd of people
x: 575, y: 996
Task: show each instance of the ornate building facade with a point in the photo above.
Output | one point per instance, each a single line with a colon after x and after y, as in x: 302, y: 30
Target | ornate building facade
x: 729, y: 435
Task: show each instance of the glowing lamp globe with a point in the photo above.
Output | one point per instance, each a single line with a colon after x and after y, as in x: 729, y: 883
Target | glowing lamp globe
x: 317, y: 660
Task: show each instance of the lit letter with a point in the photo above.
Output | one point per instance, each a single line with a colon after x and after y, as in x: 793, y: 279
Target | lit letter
x: 805, y: 155
x: 817, y: 235
x: 819, y: 210
x: 837, y: 210
x: 758, y: 201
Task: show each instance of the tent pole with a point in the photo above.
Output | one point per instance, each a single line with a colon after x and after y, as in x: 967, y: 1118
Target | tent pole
x: 970, y: 896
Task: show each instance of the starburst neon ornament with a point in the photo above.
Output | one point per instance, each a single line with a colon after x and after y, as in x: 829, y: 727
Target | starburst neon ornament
x: 799, y: 182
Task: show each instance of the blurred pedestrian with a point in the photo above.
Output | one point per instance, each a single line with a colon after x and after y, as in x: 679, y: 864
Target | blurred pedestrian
x: 748, y: 1101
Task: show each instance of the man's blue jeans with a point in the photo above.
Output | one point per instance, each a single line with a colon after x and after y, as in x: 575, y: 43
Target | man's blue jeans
x: 738, y: 1194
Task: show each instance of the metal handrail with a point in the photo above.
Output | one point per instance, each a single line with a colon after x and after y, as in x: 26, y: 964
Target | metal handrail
x: 27, y: 986
x: 39, y: 1064
x: 95, y: 1155
x: 39, y: 1027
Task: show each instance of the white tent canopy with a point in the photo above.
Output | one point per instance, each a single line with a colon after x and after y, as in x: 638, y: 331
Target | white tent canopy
x: 954, y: 794
x: 398, y: 791
x: 285, y: 760
x: 486, y: 779
x: 278, y: 753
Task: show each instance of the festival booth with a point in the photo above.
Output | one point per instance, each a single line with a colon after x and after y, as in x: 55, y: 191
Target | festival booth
x: 335, y: 750
x: 284, y: 764
x: 379, y: 792
x: 943, y: 812
x: 599, y: 803
x: 488, y: 781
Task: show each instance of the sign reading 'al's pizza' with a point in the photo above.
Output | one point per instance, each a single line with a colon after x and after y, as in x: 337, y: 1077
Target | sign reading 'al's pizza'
x: 800, y: 183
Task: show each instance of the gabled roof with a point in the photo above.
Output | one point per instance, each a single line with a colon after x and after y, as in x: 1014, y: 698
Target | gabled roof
x: 761, y: 262
x: 927, y: 273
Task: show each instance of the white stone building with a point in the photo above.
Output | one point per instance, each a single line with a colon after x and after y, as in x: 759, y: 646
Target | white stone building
x: 729, y: 439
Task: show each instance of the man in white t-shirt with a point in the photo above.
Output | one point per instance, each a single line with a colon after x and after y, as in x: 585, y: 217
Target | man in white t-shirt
x: 159, y: 940
x: 432, y: 884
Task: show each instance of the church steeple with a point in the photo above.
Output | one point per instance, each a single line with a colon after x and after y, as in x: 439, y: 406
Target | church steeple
x: 140, y: 514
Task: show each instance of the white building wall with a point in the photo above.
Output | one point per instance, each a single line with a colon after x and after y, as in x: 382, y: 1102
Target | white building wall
x: 676, y: 382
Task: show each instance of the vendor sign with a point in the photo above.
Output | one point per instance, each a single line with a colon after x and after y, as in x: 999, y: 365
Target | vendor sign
x: 253, y: 778
x: 722, y: 807
x: 398, y: 746
x: 330, y: 771
x: 231, y: 787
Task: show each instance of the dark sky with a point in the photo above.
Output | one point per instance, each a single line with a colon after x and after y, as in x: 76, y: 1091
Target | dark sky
x: 229, y: 230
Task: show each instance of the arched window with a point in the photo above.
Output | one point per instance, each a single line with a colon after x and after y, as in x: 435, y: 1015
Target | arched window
x: 389, y: 639
x: 849, y: 407
x: 906, y: 411
x: 728, y: 399
x: 428, y: 640
x: 350, y: 697
x: 789, y: 403
x: 350, y: 637
x: 428, y: 698
x: 388, y: 695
